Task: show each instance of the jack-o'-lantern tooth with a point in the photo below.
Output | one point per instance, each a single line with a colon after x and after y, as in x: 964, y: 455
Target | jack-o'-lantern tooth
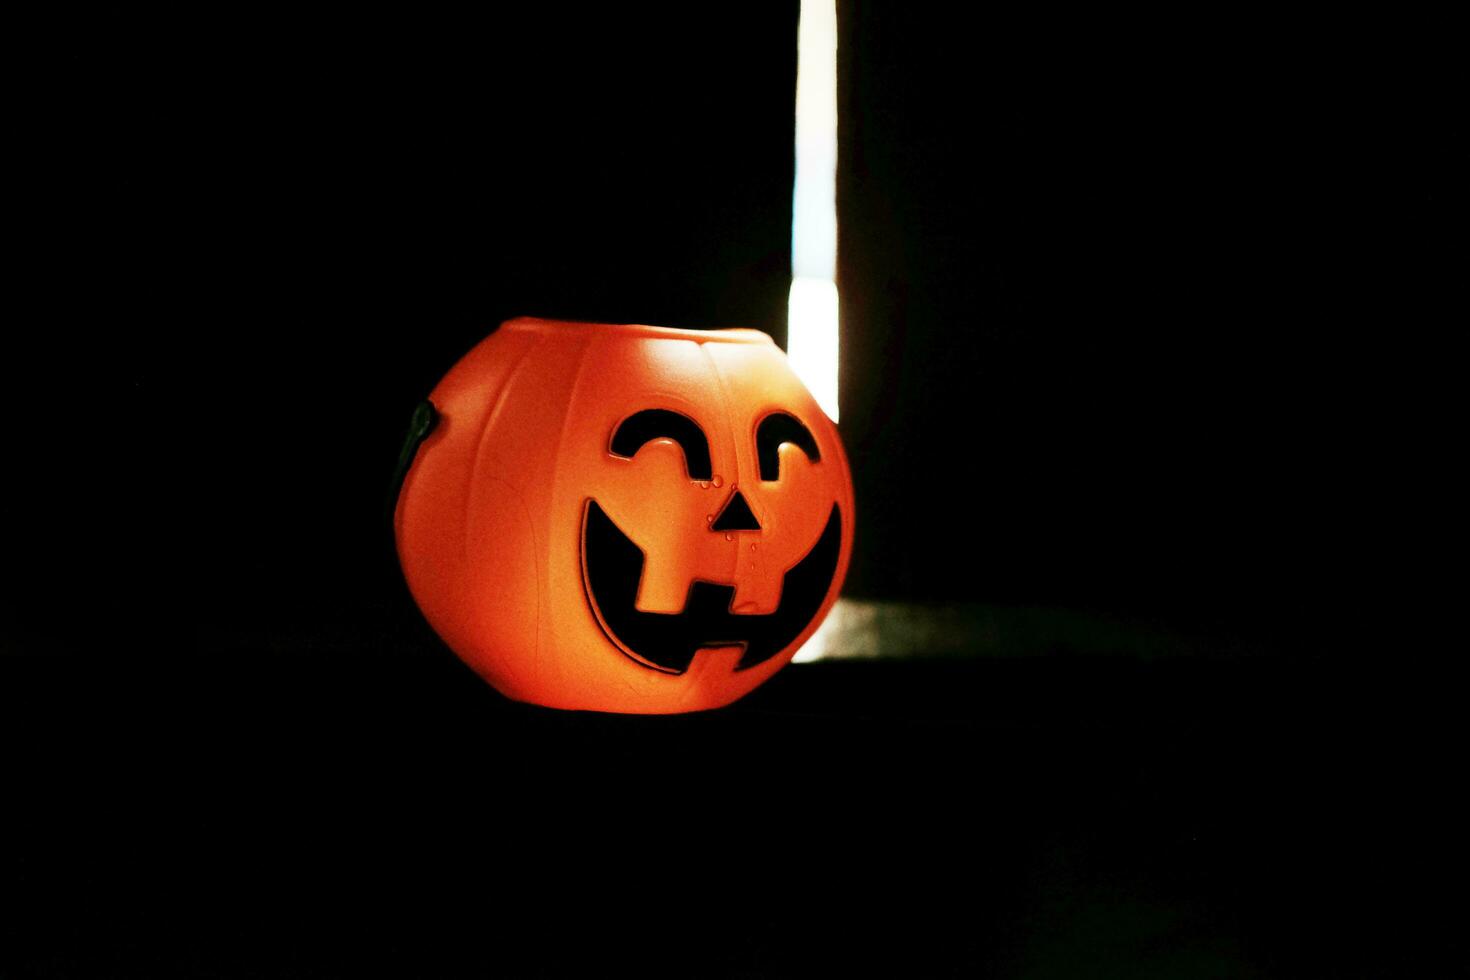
x: 664, y: 585
x: 757, y: 584
x: 756, y: 594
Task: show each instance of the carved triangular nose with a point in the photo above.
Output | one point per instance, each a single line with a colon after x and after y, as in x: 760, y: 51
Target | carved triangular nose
x: 737, y: 516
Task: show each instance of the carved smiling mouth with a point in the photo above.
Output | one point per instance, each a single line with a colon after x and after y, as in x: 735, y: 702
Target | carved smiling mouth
x: 612, y: 566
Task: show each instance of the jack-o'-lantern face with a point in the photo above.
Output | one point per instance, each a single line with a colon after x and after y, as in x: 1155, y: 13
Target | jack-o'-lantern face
x: 625, y: 518
x: 712, y: 614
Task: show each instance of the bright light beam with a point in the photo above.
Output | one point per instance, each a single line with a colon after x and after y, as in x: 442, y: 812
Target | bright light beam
x: 811, y: 312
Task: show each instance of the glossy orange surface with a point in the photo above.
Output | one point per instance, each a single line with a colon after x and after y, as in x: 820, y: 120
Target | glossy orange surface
x: 494, y: 517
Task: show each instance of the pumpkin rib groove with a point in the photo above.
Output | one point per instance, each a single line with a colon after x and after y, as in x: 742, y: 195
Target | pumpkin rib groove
x: 486, y: 426
x: 543, y: 587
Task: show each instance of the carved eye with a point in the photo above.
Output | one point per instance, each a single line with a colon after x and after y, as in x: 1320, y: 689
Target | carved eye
x: 658, y: 423
x: 773, y: 431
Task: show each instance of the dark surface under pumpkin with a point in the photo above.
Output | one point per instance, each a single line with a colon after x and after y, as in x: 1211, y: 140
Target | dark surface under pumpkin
x: 373, y: 812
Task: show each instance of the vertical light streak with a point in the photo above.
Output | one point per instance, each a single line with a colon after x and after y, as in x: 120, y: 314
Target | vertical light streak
x: 811, y: 313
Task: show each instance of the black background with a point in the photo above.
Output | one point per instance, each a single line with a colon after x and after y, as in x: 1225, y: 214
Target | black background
x: 1140, y: 322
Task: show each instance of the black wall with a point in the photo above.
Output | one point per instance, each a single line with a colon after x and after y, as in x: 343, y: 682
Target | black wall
x: 264, y: 241
x: 1125, y: 305
x: 1137, y: 313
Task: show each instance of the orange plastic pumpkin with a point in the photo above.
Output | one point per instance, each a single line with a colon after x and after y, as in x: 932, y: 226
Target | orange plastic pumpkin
x: 625, y: 518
